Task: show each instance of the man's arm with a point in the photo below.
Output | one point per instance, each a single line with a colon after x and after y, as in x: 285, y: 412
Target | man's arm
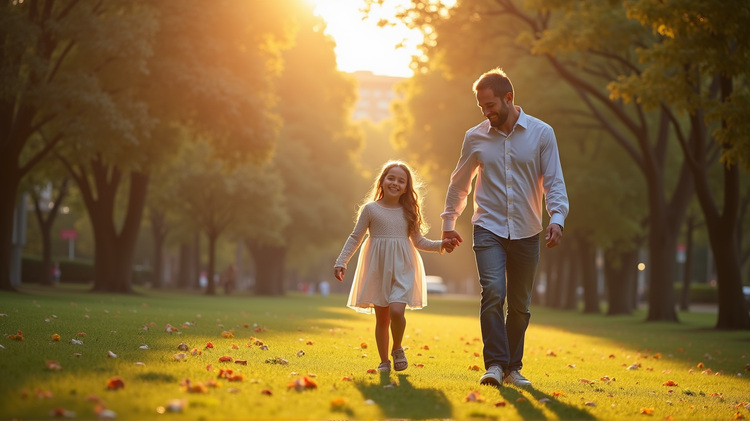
x: 458, y: 191
x: 554, y: 188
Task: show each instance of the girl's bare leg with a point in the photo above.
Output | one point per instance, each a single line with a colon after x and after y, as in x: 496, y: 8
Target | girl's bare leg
x: 398, y: 323
x: 382, y: 323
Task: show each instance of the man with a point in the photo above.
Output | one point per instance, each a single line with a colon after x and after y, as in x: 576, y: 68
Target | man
x: 515, y: 159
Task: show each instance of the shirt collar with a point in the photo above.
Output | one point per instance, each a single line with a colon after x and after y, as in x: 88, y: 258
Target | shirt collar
x: 523, y: 121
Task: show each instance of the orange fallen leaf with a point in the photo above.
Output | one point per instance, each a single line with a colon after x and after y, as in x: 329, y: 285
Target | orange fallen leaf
x: 657, y: 355
x: 266, y: 392
x: 670, y: 383
x: 236, y: 378
x: 81, y: 334
x: 258, y: 329
x: 551, y: 353
x: 419, y: 365
x: 195, y: 351
x: 474, y: 396
x: 234, y: 346
x: 225, y: 358
x: 556, y: 394
x: 55, y: 337
x: 225, y: 374
x: 521, y: 400
x: 226, y: 334
x: 209, y: 367
x: 347, y: 379
x: 183, y: 347
x: 371, y: 371
x: 586, y: 381
x: 363, y: 345
x: 53, y: 365
x: 309, y: 343
x: 302, y: 383
x: 115, y: 383
x: 209, y: 345
x: 425, y: 347
x: 738, y: 416
x: 647, y: 411
x: 241, y: 362
x: 500, y: 403
x: 700, y: 365
x: 474, y: 368
x: 62, y: 413
x: 338, y: 402
x: 16, y: 337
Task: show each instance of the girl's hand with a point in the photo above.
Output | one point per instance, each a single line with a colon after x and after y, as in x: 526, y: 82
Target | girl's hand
x: 338, y: 273
x: 449, y: 244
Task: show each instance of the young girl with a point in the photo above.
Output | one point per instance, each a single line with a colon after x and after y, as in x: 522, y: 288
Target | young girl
x: 390, y: 275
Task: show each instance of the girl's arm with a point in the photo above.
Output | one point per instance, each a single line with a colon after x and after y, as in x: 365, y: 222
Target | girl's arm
x: 434, y: 246
x: 355, y: 238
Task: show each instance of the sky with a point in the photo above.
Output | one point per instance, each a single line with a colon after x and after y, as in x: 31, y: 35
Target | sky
x: 362, y: 45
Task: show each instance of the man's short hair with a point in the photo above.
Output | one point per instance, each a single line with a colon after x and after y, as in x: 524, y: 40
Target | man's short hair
x: 495, y: 79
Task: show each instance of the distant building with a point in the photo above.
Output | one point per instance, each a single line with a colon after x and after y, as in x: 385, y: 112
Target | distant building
x: 375, y: 95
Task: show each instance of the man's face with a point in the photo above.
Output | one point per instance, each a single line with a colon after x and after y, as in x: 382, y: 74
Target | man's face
x: 494, y: 109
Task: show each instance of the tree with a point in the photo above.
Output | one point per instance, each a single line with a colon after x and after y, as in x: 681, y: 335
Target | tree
x: 587, y: 44
x: 700, y: 69
x: 46, y: 85
x: 210, y: 69
x: 314, y: 157
x: 214, y: 198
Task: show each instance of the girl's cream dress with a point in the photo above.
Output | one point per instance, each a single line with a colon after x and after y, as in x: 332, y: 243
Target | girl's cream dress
x: 389, y: 269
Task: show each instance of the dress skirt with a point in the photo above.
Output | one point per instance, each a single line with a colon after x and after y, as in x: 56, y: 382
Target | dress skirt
x: 389, y: 270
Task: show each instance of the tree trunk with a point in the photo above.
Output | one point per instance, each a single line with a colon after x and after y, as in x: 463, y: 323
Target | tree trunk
x: 620, y: 272
x: 8, y: 193
x: 185, y: 273
x: 571, y: 276
x: 553, y: 291
x: 113, y: 259
x: 688, y: 265
x: 159, y: 230
x: 269, y: 267
x: 587, y: 264
x: 45, y: 230
x: 212, y: 236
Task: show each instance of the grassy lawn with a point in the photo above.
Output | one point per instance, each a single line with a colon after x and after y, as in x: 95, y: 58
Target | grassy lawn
x: 577, y: 363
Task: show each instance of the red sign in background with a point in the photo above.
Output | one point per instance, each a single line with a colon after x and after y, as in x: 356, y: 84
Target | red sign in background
x: 68, y: 234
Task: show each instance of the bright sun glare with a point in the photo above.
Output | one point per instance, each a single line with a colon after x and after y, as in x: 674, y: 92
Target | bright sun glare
x: 361, y: 44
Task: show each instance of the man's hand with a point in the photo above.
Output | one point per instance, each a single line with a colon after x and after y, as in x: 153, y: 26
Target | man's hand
x: 553, y: 235
x: 452, y: 235
x: 339, y: 273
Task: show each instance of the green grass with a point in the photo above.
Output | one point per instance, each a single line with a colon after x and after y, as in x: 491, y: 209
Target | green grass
x: 586, y: 347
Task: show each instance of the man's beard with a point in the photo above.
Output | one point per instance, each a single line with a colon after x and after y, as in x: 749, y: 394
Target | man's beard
x: 501, y: 118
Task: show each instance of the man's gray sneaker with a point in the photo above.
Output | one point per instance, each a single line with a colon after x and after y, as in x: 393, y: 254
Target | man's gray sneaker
x: 516, y: 378
x: 493, y: 376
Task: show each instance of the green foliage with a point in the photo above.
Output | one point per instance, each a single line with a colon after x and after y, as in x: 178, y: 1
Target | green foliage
x: 71, y: 271
x: 585, y: 347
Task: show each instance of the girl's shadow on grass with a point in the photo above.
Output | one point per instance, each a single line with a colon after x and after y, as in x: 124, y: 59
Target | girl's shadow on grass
x: 403, y: 400
x: 529, y: 412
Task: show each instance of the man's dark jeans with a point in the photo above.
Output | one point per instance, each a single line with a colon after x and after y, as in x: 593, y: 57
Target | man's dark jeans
x: 499, y: 259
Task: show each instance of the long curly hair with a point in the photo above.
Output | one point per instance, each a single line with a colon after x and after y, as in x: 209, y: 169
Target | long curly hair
x: 410, y: 200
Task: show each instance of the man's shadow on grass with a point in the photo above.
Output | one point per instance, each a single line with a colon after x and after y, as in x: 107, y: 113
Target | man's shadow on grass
x: 403, y: 400
x: 530, y: 412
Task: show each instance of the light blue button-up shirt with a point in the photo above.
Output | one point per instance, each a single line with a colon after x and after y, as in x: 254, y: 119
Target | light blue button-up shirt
x: 513, y: 172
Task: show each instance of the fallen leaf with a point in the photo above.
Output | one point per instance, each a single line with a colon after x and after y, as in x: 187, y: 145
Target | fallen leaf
x: 700, y: 365
x: 475, y: 368
x: 302, y: 383
x: 16, y: 337
x: 225, y: 358
x: 53, y: 365
x: 521, y: 400
x: 241, y: 362
x: 419, y: 365
x: 300, y: 353
x: 309, y: 343
x: 81, y: 334
x: 347, y: 379
x: 195, y: 351
x: 111, y: 354
x: 183, y: 347
x: 115, y: 383
x: 425, y: 347
x: 338, y: 402
x: 363, y: 345
x: 266, y: 392
x: 209, y: 345
x: 556, y: 394
x: 174, y: 405
x: 236, y: 378
x: 551, y: 353
x: 586, y: 381
x: 647, y: 411
x: 669, y: 383
x: 234, y: 346
x: 55, y: 337
x: 62, y: 413
x: 372, y: 371
x: 474, y: 396
x: 225, y: 374
x: 179, y: 357
x: 500, y: 403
